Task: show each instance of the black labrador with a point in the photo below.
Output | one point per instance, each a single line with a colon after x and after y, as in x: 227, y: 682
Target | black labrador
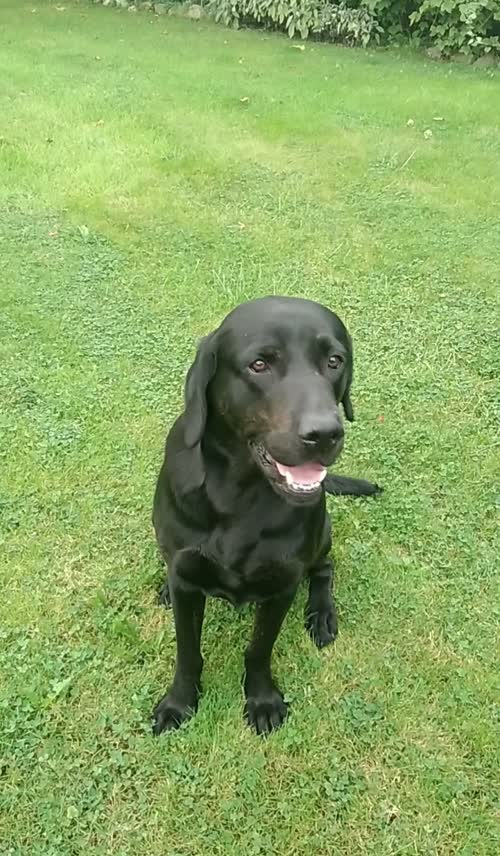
x: 239, y: 509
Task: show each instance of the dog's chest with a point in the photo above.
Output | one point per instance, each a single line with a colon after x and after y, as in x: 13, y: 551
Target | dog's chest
x: 254, y: 557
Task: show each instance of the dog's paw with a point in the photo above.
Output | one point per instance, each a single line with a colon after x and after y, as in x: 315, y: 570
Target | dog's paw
x: 322, y: 625
x: 266, y: 713
x: 164, y: 598
x: 170, y: 713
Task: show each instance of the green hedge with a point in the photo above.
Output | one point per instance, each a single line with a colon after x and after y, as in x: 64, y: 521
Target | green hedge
x: 448, y: 28
x: 334, y: 22
x: 471, y: 28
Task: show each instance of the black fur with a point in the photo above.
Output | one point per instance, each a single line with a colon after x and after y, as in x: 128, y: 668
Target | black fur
x: 264, y: 388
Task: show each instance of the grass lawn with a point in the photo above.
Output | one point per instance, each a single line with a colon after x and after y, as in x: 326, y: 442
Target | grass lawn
x: 140, y: 199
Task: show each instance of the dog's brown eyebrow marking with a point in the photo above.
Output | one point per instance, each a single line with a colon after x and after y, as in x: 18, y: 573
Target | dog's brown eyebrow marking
x: 260, y: 349
x: 269, y: 351
x: 329, y: 342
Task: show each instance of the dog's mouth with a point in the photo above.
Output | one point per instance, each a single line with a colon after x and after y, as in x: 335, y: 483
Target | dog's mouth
x: 301, y: 483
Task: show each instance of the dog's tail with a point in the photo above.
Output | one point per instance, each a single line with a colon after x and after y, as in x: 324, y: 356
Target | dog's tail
x: 344, y: 486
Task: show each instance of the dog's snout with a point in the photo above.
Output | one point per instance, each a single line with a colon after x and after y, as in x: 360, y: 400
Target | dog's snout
x: 321, y: 429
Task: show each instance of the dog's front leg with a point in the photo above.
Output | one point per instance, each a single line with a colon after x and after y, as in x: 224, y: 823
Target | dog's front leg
x: 321, y: 612
x: 265, y: 708
x: 181, y: 700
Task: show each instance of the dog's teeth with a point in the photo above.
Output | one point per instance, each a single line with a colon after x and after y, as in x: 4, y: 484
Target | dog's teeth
x: 304, y: 488
x: 301, y: 488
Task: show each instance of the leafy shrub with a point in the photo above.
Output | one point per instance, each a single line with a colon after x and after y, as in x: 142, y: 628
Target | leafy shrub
x: 452, y: 26
x: 393, y: 16
x: 340, y: 23
x: 317, y: 18
x: 471, y: 27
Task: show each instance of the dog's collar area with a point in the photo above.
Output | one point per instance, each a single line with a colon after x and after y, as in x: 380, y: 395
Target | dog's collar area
x: 301, y: 481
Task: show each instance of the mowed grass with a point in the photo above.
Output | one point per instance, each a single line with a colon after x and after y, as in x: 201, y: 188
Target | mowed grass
x: 141, y: 199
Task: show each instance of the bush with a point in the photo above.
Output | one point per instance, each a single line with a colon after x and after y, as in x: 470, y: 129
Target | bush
x: 471, y: 27
x: 393, y: 16
x: 323, y: 20
x: 467, y: 26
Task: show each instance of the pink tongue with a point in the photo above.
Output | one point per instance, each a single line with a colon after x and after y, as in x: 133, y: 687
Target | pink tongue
x: 306, y: 474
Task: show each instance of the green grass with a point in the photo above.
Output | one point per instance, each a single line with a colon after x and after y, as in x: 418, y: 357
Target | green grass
x: 140, y: 200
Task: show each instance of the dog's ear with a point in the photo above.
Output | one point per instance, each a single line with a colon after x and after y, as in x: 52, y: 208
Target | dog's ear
x: 195, y: 391
x: 348, y: 408
x: 346, y: 397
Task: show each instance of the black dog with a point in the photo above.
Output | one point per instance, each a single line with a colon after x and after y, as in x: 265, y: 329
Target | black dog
x: 239, y: 509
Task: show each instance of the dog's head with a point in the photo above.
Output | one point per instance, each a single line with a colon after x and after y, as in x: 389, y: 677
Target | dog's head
x: 274, y: 375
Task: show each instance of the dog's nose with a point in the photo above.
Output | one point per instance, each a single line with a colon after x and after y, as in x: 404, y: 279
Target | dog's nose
x: 321, y: 429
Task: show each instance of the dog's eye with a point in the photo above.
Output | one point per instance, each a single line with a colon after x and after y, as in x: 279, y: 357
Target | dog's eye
x: 334, y: 361
x: 258, y: 366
